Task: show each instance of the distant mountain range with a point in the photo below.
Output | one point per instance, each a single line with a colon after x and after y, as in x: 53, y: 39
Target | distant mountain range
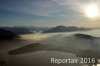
x: 32, y: 29
x: 62, y: 28
x: 25, y: 29
x: 7, y: 35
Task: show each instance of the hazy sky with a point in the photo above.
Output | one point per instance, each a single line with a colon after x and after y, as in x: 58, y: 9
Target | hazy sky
x: 44, y: 13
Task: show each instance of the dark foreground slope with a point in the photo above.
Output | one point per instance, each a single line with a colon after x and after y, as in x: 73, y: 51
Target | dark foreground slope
x: 7, y: 35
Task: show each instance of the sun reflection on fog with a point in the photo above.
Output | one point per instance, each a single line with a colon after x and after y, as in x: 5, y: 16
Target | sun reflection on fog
x: 98, y: 64
x: 34, y: 36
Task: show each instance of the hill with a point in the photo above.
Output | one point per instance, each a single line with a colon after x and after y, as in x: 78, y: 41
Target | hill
x: 64, y: 29
x: 7, y: 35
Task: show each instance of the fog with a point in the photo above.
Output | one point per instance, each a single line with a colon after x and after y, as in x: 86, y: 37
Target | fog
x: 65, y: 45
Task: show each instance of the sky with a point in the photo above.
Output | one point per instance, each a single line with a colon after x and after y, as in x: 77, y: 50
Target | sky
x: 45, y: 13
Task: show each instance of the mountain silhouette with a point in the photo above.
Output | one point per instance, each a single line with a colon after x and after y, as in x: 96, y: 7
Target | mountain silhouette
x: 84, y: 36
x: 20, y: 30
x: 62, y: 28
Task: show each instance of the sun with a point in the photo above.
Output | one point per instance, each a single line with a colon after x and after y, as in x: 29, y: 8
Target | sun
x: 92, y: 11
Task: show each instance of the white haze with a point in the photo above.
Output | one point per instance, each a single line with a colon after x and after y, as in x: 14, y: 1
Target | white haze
x: 42, y: 58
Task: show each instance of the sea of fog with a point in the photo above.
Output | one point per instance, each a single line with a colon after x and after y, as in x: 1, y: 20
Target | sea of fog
x: 42, y: 58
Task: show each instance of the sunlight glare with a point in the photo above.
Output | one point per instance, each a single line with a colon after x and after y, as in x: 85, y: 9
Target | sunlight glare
x: 98, y: 64
x: 92, y: 11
